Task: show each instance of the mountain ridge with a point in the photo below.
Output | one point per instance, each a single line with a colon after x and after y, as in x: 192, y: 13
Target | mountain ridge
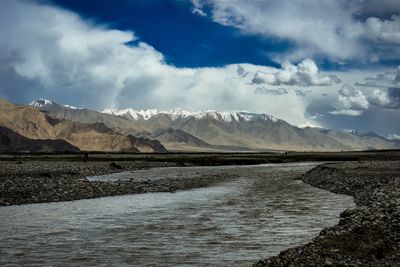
x: 11, y: 141
x: 37, y: 124
x: 254, y: 131
x: 177, y: 113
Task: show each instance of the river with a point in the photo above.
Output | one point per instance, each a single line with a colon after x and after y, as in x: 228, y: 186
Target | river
x: 260, y: 212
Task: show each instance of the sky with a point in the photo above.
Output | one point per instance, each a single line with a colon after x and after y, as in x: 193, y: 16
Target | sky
x: 326, y: 63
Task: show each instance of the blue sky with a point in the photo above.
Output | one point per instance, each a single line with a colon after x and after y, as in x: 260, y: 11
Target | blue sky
x: 332, y: 64
x: 186, y: 40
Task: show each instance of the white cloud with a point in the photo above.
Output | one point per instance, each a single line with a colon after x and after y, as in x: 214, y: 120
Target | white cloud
x: 306, y: 73
x: 198, y: 8
x: 336, y: 29
x: 386, y: 31
x: 350, y: 102
x: 57, y: 53
x: 379, y: 98
x: 347, y: 112
x: 354, y: 102
x: 47, y: 51
x: 383, y: 90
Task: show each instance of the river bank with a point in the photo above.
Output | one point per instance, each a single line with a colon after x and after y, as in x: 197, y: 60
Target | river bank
x: 366, y: 236
x: 38, y: 181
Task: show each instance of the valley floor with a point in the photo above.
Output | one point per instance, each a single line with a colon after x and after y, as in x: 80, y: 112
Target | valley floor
x: 27, y: 178
x: 366, y: 236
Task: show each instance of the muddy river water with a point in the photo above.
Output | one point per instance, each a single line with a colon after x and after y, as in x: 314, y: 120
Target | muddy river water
x: 258, y: 213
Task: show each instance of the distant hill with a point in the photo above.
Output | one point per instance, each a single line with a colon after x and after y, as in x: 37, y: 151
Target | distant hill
x: 182, y: 130
x: 10, y: 141
x: 33, y: 123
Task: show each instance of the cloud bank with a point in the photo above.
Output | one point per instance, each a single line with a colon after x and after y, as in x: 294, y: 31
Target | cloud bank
x: 46, y: 51
x: 382, y: 91
x: 340, y: 30
x: 306, y: 74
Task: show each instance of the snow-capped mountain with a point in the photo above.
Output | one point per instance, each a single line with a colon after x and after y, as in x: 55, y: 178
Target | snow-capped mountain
x: 41, y: 103
x: 26, y: 125
x: 175, y: 114
x: 45, y: 104
x: 177, y: 128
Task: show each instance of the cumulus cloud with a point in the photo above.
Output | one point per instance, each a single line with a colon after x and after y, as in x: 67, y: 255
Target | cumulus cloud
x: 266, y: 91
x: 306, y: 73
x: 60, y: 51
x: 389, y: 98
x: 351, y: 102
x: 336, y: 29
x: 46, y: 51
x: 383, y: 90
x: 379, y: 98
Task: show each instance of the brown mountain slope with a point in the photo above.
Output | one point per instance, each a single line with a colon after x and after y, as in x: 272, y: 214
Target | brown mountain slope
x: 10, y: 141
x: 35, y: 124
x: 178, y: 140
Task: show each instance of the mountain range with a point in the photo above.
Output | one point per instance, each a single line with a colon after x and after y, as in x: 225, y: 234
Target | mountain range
x: 180, y: 130
x: 28, y: 125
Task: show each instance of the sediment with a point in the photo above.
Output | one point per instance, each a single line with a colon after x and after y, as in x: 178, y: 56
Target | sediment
x: 37, y: 181
x: 368, y: 235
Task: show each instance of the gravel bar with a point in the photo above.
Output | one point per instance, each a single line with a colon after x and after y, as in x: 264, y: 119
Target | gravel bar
x: 37, y: 181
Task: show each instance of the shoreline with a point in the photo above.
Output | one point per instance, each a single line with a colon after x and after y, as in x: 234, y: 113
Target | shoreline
x: 28, y: 182
x: 368, y: 235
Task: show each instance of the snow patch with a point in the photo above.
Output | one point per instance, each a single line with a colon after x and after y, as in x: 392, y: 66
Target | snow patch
x: 178, y: 113
x: 40, y: 103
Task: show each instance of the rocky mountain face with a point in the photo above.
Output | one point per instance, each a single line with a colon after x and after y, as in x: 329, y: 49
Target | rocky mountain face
x: 33, y: 123
x: 10, y: 141
x: 182, y: 130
